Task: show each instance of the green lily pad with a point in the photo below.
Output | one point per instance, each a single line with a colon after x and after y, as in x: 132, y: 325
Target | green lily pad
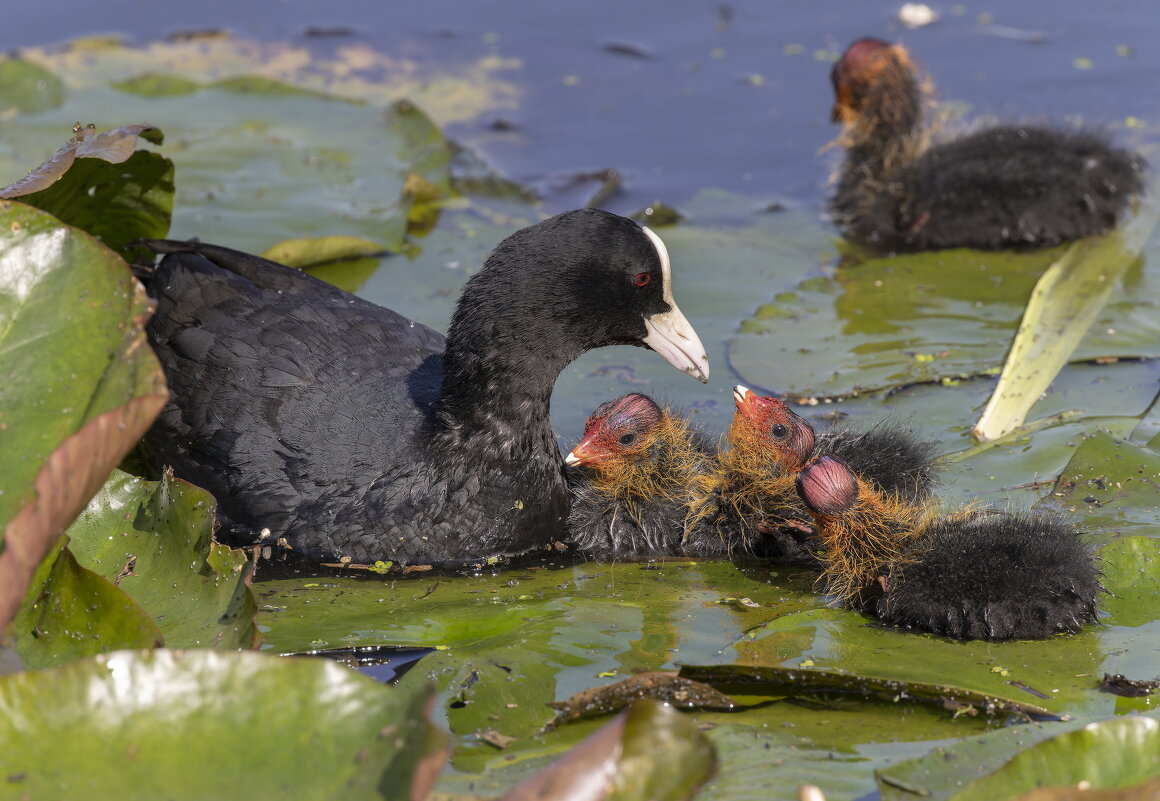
x: 28, y: 88
x: 1109, y: 754
x: 72, y: 613
x: 81, y: 384
x: 1130, y: 570
x: 103, y: 185
x: 157, y: 85
x: 201, y: 724
x: 345, y: 261
x: 154, y: 539
x: 1113, y: 485
x: 927, y: 317
x: 782, y: 682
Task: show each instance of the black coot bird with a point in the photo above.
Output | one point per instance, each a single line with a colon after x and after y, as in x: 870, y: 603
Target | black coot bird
x: 633, y: 476
x: 342, y: 429
x: 976, y: 574
x: 1001, y: 187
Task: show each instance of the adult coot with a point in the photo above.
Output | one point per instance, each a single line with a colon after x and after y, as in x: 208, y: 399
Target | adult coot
x: 1006, y: 186
x: 342, y: 429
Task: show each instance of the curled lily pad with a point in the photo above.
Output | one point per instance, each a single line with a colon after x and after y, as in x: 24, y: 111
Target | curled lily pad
x: 103, y: 185
x: 82, y: 384
x: 647, y: 752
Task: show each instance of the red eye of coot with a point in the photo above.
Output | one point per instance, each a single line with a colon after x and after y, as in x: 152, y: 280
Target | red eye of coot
x: 643, y: 278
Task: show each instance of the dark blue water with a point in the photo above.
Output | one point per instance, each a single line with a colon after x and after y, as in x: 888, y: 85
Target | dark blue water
x: 706, y: 94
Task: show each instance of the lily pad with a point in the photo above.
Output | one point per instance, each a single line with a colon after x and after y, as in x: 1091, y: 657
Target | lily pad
x: 81, y: 384
x: 1113, y: 484
x: 927, y: 317
x: 103, y: 185
x: 154, y: 540
x: 72, y: 613
x: 1130, y: 569
x: 1109, y: 754
x: 781, y: 682
x: 649, y: 752
x: 28, y: 88
x: 345, y: 261
x: 178, y: 714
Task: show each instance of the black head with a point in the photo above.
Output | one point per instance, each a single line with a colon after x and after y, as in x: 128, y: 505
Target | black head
x: 580, y: 280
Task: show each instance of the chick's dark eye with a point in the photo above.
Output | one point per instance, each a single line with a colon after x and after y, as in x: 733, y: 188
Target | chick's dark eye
x: 628, y: 439
x: 779, y: 430
x: 642, y: 279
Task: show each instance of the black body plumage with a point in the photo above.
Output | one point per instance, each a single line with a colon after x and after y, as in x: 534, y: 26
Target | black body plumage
x: 995, y: 576
x: 347, y: 430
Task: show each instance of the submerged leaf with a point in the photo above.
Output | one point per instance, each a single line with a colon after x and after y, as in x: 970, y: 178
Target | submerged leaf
x: 783, y: 681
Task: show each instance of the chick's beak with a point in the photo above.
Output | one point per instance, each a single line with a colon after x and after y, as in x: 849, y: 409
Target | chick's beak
x: 585, y: 453
x: 746, y: 399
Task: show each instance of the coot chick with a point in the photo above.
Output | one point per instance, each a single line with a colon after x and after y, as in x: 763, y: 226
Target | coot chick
x: 633, y: 473
x: 342, y: 429
x: 748, y: 501
x: 889, y: 454
x: 1001, y: 187
x: 976, y: 574
x: 768, y: 446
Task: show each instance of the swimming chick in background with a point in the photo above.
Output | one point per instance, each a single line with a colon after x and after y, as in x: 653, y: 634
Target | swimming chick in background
x: 999, y: 187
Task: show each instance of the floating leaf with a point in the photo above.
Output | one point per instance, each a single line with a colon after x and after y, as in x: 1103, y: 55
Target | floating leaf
x: 345, y: 261
x: 81, y: 384
x: 782, y: 681
x: 308, y: 253
x: 102, y: 185
x: 664, y: 686
x: 197, y: 724
x: 1130, y: 569
x: 648, y: 752
x: 1115, y: 753
x: 1063, y: 306
x: 72, y: 613
x: 1113, y: 484
x: 158, y: 85
x: 154, y: 540
x: 28, y: 88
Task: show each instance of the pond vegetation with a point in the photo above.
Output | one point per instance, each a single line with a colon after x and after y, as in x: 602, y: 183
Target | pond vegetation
x: 335, y: 163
